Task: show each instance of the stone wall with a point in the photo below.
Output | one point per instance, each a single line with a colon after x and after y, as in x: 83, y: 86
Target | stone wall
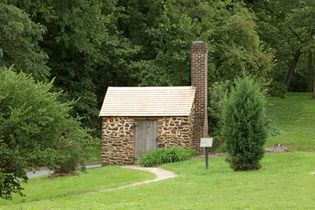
x: 175, y: 131
x: 118, y: 136
x: 117, y: 140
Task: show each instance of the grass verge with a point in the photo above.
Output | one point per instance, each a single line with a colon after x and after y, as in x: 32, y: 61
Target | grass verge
x: 284, y: 182
x: 45, y: 188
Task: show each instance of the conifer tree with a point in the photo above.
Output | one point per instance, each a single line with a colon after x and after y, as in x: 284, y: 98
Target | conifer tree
x: 244, y: 125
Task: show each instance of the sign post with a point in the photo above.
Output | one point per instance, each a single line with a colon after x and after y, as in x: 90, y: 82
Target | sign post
x: 206, y: 143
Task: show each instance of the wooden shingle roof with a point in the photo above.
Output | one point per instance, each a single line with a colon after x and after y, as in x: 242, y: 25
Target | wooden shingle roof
x: 148, y: 101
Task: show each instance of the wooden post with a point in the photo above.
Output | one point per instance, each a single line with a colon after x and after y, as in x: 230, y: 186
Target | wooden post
x: 207, y: 157
x: 206, y: 143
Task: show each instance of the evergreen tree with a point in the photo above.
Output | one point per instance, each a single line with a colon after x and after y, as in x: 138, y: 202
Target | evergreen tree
x: 244, y: 125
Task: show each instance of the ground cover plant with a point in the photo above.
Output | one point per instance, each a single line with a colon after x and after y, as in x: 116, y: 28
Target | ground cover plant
x: 166, y: 155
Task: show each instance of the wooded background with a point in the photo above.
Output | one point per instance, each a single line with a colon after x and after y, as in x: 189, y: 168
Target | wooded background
x: 86, y: 46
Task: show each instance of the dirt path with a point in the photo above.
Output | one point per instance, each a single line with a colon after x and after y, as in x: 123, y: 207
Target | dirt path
x: 161, y: 174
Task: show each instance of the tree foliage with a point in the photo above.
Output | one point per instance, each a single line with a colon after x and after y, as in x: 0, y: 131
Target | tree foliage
x: 86, y: 52
x: 235, y: 46
x: 287, y: 27
x: 163, y: 33
x: 88, y: 45
x: 244, y: 125
x: 94, y: 44
x: 19, y: 42
x: 35, y: 130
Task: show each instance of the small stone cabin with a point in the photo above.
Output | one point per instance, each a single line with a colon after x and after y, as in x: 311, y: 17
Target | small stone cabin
x: 136, y: 120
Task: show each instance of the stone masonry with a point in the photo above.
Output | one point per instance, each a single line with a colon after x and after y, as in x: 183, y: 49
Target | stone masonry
x: 117, y: 140
x: 199, y: 79
x: 118, y: 136
x: 175, y: 132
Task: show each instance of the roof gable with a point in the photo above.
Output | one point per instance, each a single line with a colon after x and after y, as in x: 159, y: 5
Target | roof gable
x: 148, y: 101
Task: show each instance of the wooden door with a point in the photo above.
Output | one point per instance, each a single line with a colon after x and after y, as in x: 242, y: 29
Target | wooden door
x: 146, y: 136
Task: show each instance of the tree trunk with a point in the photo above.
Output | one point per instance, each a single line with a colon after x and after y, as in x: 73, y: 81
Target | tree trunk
x: 292, y: 67
x: 312, y: 71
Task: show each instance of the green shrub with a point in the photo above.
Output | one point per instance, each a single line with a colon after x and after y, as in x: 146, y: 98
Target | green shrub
x: 36, y: 129
x: 166, y: 155
x: 278, y: 89
x: 244, y: 125
x: 216, y: 93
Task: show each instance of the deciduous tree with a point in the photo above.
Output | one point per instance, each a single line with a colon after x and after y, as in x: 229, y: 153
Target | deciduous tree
x: 20, y: 39
x: 36, y: 129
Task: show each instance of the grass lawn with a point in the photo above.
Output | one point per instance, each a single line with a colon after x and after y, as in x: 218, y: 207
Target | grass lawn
x: 284, y: 182
x: 294, y: 118
x: 45, y: 188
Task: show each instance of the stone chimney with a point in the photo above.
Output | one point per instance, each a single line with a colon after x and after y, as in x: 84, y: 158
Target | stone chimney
x: 199, y: 79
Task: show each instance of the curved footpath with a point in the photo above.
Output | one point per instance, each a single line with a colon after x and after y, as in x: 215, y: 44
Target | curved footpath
x: 160, y: 175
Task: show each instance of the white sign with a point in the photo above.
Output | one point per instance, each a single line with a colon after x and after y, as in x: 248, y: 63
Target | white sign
x: 206, y: 142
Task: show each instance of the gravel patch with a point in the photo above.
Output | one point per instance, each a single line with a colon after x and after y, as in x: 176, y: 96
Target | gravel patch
x: 43, y: 172
x: 277, y: 148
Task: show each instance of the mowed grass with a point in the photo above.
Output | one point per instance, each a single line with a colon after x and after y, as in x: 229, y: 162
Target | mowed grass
x: 294, y: 119
x: 284, y: 182
x: 45, y: 188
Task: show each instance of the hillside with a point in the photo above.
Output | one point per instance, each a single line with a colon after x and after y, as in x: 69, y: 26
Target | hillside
x: 293, y: 121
